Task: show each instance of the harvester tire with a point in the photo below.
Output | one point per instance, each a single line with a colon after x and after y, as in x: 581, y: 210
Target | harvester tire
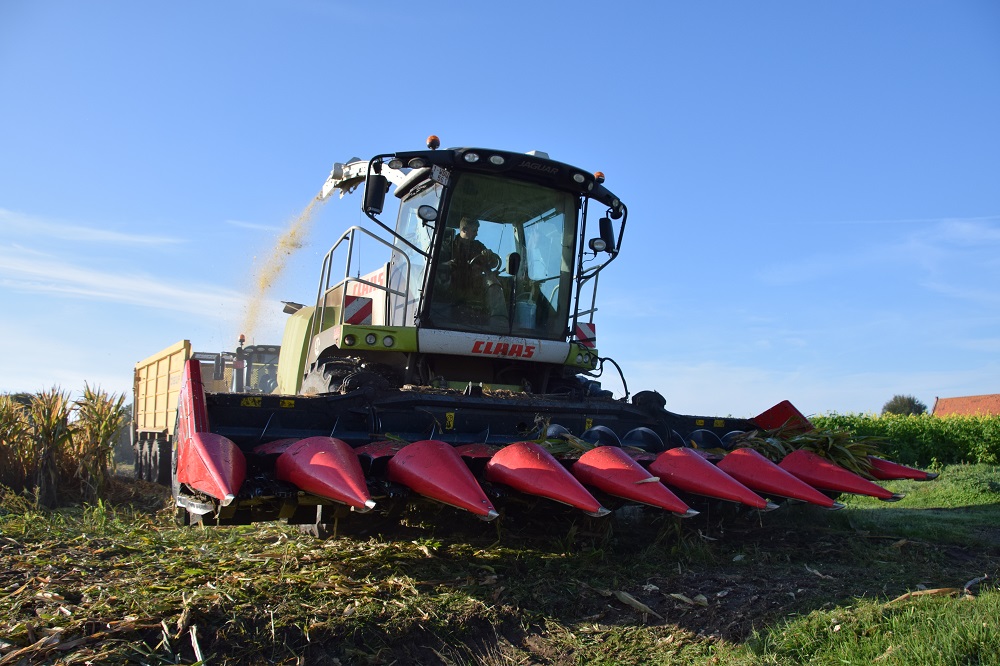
x: 328, y: 376
x: 364, y: 380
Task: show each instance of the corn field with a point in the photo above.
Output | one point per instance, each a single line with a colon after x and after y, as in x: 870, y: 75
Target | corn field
x: 925, y: 440
x: 59, y: 450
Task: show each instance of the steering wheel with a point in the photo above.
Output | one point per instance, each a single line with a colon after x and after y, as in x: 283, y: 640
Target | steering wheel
x: 488, y: 260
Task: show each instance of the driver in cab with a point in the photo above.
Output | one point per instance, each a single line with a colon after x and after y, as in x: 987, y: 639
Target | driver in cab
x: 471, y: 264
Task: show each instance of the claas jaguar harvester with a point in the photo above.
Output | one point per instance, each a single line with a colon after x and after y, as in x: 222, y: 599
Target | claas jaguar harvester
x: 462, y: 370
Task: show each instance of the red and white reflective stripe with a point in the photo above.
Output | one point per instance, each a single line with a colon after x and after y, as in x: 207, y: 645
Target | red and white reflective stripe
x: 586, y: 334
x: 357, y: 310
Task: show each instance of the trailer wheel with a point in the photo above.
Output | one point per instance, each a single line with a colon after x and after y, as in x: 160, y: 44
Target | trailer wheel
x: 152, y: 455
x: 164, y: 462
x: 137, y: 456
x: 151, y: 461
x: 144, y: 461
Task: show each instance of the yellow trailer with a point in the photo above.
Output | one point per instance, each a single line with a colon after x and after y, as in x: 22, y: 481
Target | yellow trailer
x: 157, y: 383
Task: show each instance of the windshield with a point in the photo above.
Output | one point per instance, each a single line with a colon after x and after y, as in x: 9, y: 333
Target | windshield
x: 506, y: 258
x: 262, y: 371
x: 406, y: 271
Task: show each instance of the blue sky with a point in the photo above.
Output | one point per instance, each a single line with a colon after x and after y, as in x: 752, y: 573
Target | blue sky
x: 814, y: 210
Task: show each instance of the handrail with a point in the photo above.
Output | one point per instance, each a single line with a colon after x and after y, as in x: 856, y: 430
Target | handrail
x: 325, y: 286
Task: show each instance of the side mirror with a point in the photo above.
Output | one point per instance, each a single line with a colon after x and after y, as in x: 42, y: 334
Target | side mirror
x: 376, y: 185
x: 607, y: 233
x: 513, y: 263
x: 606, y: 243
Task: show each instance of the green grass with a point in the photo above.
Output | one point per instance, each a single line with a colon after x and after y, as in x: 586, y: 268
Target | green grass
x: 923, y: 630
x: 962, y: 506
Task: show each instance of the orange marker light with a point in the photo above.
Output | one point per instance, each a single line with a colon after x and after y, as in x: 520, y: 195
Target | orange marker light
x: 599, y: 175
x: 433, y: 142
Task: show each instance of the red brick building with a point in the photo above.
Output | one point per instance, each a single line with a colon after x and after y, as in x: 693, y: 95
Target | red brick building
x: 972, y: 405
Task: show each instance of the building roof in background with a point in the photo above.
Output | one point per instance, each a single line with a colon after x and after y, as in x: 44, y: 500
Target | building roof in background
x: 969, y: 405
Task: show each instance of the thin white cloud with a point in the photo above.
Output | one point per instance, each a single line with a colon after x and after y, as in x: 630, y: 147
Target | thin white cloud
x: 988, y: 345
x: 923, y: 221
x: 254, y: 226
x: 979, y: 295
x: 939, y: 246
x: 33, y: 226
x: 41, y: 274
x: 57, y: 360
x: 964, y: 232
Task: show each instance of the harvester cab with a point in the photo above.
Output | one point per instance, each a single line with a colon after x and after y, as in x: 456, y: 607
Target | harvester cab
x: 491, y: 280
x: 254, y: 368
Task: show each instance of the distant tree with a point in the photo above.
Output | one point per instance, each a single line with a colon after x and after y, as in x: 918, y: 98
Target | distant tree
x: 22, y: 398
x: 904, y: 405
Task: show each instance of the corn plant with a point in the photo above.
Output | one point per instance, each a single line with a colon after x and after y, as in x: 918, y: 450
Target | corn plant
x: 843, y: 447
x: 924, y: 440
x: 838, y: 445
x: 51, y: 434
x: 15, y: 444
x: 99, y: 417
